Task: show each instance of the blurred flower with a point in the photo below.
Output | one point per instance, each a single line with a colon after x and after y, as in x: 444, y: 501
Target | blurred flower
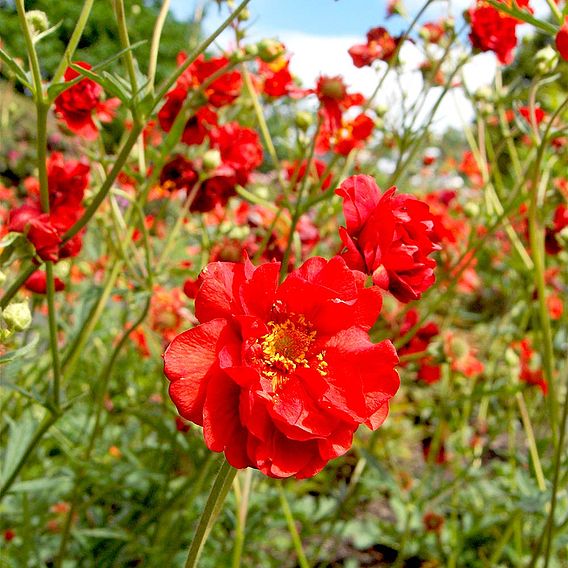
x: 281, y: 376
x: 561, y: 40
x: 531, y: 366
x: 380, y: 45
x: 37, y: 283
x: 77, y: 104
x: 433, y: 522
x: 493, y: 30
x: 388, y: 236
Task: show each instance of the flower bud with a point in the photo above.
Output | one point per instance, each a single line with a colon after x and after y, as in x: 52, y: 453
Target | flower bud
x: 37, y: 20
x: 303, y: 120
x: 251, y: 50
x: 381, y: 110
x: 483, y: 94
x: 270, y: 49
x: 244, y: 15
x: 17, y: 316
x: 211, y: 160
x: 471, y: 210
x: 546, y: 60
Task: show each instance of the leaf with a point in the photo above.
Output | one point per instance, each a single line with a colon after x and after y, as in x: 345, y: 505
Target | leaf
x: 47, y: 32
x: 9, y: 239
x: 18, y: 353
x: 113, y: 534
x: 55, y: 90
x: 21, y: 433
x: 16, y: 69
x: 59, y: 484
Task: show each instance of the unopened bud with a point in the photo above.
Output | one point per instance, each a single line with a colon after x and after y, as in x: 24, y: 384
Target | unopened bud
x: 211, y: 160
x: 303, y: 120
x: 17, y: 316
x: 37, y: 20
x: 483, y: 94
x: 244, y: 15
x: 251, y: 50
x: 471, y: 210
x: 381, y: 110
x: 546, y: 60
x: 270, y: 49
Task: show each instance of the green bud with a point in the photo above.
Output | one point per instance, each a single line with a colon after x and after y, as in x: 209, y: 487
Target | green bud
x: 251, y: 50
x: 546, y: 60
x: 17, y: 316
x: 211, y: 160
x: 483, y: 94
x: 244, y: 15
x: 471, y: 210
x: 303, y: 120
x: 37, y: 20
x: 270, y: 49
x: 381, y: 110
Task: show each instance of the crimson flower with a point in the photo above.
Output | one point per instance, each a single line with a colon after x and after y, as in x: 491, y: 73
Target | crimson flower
x: 281, y: 376
x: 388, y: 236
x: 37, y: 283
x: 77, y: 104
x: 561, y: 40
x: 493, y: 30
x: 380, y: 45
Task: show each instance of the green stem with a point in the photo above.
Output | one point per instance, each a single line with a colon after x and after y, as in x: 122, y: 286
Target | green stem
x: 531, y: 441
x: 302, y: 560
x: 242, y: 511
x: 52, y: 316
x: 555, y: 483
x: 125, y: 43
x: 73, y: 41
x: 154, y: 48
x: 215, y: 501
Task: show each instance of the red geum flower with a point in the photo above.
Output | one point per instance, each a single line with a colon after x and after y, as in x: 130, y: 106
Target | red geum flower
x: 380, y: 45
x: 197, y: 127
x: 37, y: 283
x: 297, y: 171
x: 77, y: 104
x: 388, y: 236
x: 38, y: 228
x: 240, y: 149
x: 433, y: 522
x: 531, y: 367
x: 432, y: 32
x: 562, y: 40
x: 277, y: 81
x: 281, y: 376
x: 222, y: 91
x: 492, y: 30
x: 178, y: 173
x: 539, y: 114
x: 335, y: 100
x: 560, y: 222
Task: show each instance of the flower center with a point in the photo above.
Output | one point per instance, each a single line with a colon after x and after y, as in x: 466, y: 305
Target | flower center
x: 287, y: 347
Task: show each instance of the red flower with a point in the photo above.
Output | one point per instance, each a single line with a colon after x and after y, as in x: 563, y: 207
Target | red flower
x: 197, y: 127
x: 380, y: 45
x: 77, y: 104
x: 539, y: 114
x: 281, y: 376
x: 222, y: 91
x: 277, y: 79
x: 240, y: 149
x: 178, y: 173
x: 433, y: 522
x: 531, y: 367
x: 388, y: 236
x: 334, y: 98
x: 297, y: 171
x: 560, y: 222
x: 37, y: 283
x: 562, y: 40
x: 492, y: 30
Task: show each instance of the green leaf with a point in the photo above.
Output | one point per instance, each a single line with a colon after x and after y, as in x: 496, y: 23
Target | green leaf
x: 20, y: 434
x: 15, y: 68
x: 21, y: 352
x: 114, y: 534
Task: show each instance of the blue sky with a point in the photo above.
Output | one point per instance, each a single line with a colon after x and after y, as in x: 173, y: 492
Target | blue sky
x: 318, y: 17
